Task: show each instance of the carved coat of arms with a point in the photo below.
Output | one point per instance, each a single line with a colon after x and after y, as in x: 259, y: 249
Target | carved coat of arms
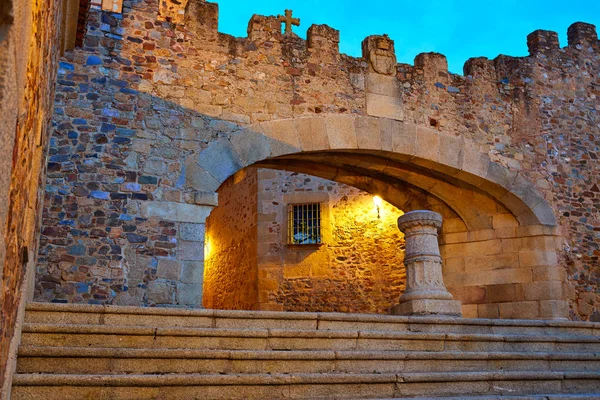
x: 379, y: 50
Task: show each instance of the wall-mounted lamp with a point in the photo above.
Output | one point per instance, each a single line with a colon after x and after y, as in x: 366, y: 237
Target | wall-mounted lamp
x: 377, y: 200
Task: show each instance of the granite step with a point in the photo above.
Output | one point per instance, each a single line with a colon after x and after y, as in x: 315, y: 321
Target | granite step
x: 57, y: 335
x: 84, y: 314
x: 82, y: 360
x: 301, y: 386
x: 588, y: 396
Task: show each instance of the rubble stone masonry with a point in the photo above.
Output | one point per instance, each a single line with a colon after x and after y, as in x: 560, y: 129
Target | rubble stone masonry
x: 357, y: 268
x: 158, y: 108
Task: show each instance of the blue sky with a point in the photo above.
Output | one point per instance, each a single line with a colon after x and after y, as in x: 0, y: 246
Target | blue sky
x: 458, y: 29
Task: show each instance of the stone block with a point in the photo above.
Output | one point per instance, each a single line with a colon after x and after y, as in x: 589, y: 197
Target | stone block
x: 114, y: 6
x: 189, y: 294
x: 207, y: 109
x: 177, y: 212
x: 504, y: 293
x: 451, y: 151
x: 197, y: 178
x: 488, y: 311
x: 283, y: 136
x: 220, y: 160
x: 500, y: 175
x: 403, y: 138
x: 492, y: 262
x: 168, y: 269
x: 312, y: 133
x: 478, y: 165
x: 192, y: 272
x: 554, y: 309
x: 520, y: 310
x: 490, y: 277
x: 367, y: 133
x: 453, y: 265
x: 160, y: 292
x: 544, y: 214
x: 251, y: 146
x: 341, y: 132
x: 471, y: 294
x: 385, y: 106
x: 504, y: 221
x: 453, y: 238
x: 534, y: 258
x: 555, y: 273
x: 428, y: 307
x: 469, y: 311
x: 383, y: 85
x: 543, y: 290
x: 453, y: 225
x: 190, y: 251
x: 427, y: 143
x: 192, y: 232
x: 202, y: 198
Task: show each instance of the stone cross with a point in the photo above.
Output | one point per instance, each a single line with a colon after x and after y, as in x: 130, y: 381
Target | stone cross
x: 425, y: 290
x: 288, y: 21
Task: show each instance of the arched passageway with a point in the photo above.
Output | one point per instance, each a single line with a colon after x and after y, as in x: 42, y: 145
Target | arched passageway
x: 499, y: 238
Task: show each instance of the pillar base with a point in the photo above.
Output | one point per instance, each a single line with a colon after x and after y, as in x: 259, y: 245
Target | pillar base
x: 429, y: 307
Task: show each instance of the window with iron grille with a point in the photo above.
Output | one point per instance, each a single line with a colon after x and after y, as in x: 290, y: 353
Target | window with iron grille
x: 304, y: 223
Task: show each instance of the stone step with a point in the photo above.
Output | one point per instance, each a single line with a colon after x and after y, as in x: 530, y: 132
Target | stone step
x: 227, y: 319
x: 588, y: 396
x: 301, y: 386
x: 81, y: 360
x: 56, y: 335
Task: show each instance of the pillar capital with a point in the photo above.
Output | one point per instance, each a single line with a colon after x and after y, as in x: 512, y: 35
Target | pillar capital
x: 416, y: 218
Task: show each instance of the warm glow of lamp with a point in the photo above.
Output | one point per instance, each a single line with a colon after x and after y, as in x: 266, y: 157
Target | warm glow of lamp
x: 206, y: 247
x: 377, y: 200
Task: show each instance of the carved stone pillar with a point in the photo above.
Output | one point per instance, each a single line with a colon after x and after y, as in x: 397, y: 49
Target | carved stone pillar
x: 425, y: 291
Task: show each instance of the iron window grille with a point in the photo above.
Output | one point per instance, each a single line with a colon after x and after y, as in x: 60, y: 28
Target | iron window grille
x: 304, y: 223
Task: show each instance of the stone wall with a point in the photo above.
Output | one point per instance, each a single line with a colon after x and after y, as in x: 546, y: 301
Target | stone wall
x: 230, y: 275
x: 28, y: 56
x: 175, y: 107
x: 359, y: 266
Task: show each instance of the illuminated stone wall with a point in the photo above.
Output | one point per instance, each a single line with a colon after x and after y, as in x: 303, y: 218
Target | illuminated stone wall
x: 359, y: 266
x: 230, y: 274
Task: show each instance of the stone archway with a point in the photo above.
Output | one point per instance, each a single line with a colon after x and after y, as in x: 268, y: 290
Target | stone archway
x: 440, y: 164
x: 500, y: 259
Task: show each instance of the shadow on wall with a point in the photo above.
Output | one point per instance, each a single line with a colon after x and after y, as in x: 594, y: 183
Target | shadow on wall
x: 126, y: 198
x: 6, y: 18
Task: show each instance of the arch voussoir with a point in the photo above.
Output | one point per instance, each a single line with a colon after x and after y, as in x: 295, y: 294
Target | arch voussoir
x: 424, y: 157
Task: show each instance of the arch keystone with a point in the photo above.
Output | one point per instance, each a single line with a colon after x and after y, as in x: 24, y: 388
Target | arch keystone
x: 368, y: 133
x: 341, y: 132
x: 312, y: 133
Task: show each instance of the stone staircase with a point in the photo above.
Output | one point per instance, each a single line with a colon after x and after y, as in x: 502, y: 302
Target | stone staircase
x: 109, y: 352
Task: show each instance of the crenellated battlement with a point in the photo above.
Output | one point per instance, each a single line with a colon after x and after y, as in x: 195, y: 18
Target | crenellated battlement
x: 201, y: 18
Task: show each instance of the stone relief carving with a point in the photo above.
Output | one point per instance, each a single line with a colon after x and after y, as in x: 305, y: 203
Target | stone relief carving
x: 380, y: 52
